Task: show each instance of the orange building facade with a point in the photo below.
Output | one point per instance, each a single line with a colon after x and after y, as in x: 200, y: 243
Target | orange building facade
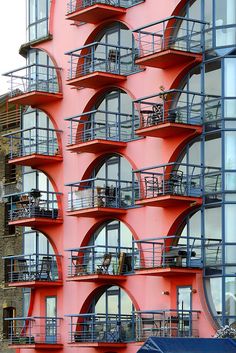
x: 127, y: 146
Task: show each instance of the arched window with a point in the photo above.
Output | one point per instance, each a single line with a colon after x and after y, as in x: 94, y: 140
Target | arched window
x: 108, y: 319
x: 112, y: 119
x: 41, y: 72
x: 115, y: 175
x: 38, y: 135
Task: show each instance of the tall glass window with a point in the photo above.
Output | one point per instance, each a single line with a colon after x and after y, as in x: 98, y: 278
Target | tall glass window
x: 115, y: 174
x: 38, y: 135
x: 38, y: 13
x: 41, y: 72
x: 220, y: 17
x: 114, y: 300
x: 113, y: 117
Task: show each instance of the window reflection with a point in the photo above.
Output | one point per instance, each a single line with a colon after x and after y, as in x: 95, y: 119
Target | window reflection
x: 115, y: 299
x: 223, y: 13
x: 230, y: 296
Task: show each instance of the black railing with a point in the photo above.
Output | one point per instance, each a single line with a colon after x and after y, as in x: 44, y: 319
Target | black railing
x: 178, y: 106
x: 34, y: 204
x: 34, y: 330
x: 99, y: 192
x: 113, y: 328
x: 166, y: 323
x: 103, y: 58
x: 179, y: 179
x: 33, y: 77
x: 34, y: 267
x: 174, y: 32
x: 138, y: 326
x: 100, y: 259
x: 34, y: 141
x: 76, y: 5
x: 100, y: 124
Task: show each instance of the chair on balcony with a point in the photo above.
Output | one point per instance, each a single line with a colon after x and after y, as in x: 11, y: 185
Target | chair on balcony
x: 155, y: 116
x: 103, y: 268
x: 113, y: 60
x: 45, y: 270
x: 151, y: 186
x: 24, y: 272
x: 174, y: 183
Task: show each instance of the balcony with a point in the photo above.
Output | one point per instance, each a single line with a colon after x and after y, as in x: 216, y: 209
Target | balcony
x: 99, y: 263
x: 98, y: 197
x: 178, y: 184
x: 176, y: 112
x: 101, y: 330
x: 95, y: 11
x: 100, y: 131
x: 35, y: 333
x: 34, y: 146
x: 166, y: 323
x: 34, y: 208
x: 173, y: 41
x: 34, y: 85
x: 116, y: 331
x: 35, y: 270
x: 169, y: 256
x: 96, y: 65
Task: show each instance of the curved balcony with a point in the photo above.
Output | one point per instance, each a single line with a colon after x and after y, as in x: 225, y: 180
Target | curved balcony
x: 101, y: 330
x: 98, y: 197
x: 169, y: 256
x: 34, y: 85
x: 177, y: 112
x: 178, y: 184
x: 34, y: 146
x: 35, y: 270
x: 100, y: 131
x: 166, y: 323
x: 34, y: 208
x: 170, y: 42
x: 99, y: 263
x: 35, y: 333
x: 97, y: 64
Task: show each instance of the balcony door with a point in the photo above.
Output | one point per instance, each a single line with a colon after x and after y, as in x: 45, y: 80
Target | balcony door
x: 50, y: 320
x: 184, y: 307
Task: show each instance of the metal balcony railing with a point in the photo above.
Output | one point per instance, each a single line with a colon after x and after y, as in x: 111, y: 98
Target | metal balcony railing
x: 166, y: 323
x: 33, y: 140
x: 138, y: 326
x: 176, y: 251
x: 34, y: 267
x: 100, y: 192
x: 179, y: 179
x: 169, y: 251
x: 34, y: 204
x: 76, y: 5
x: 175, y: 32
x: 178, y: 106
x: 34, y: 330
x: 113, y: 328
x: 33, y: 77
x: 101, y: 57
x: 100, y: 259
x: 101, y: 124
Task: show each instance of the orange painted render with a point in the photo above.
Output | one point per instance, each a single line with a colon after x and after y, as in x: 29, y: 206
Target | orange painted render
x: 146, y: 222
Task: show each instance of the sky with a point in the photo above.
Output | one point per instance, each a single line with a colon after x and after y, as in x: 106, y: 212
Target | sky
x: 12, y: 35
